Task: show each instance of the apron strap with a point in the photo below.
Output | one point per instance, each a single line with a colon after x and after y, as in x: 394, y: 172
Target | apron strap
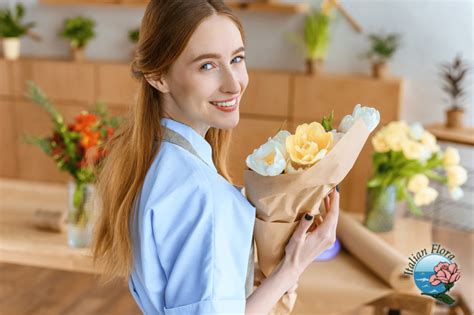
x: 172, y: 136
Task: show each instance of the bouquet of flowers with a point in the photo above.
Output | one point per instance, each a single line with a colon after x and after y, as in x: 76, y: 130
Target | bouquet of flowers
x: 290, y: 175
x: 408, y: 157
x: 74, y: 147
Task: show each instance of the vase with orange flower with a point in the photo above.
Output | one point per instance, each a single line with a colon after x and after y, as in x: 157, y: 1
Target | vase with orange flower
x: 76, y: 148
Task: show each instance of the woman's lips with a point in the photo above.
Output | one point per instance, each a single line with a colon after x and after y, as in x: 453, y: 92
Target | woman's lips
x: 227, y: 108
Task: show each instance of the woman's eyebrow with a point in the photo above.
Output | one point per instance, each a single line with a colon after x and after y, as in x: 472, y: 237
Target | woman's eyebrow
x: 216, y: 56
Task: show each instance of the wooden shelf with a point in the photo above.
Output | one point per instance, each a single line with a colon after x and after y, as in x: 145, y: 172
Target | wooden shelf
x: 270, y: 7
x: 461, y: 135
x: 276, y: 7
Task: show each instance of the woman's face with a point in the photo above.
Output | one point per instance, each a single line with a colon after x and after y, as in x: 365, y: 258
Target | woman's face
x: 211, y: 69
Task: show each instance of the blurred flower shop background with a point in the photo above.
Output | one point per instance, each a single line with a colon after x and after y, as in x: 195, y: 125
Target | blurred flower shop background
x: 65, y: 86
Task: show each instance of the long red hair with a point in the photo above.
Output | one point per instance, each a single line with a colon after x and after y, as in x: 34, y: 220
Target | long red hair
x: 165, y: 30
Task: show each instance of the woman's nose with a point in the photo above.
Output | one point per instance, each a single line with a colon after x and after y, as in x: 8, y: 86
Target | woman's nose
x: 230, y: 82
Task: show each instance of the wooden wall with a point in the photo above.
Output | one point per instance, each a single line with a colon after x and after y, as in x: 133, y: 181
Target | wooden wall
x: 272, y: 98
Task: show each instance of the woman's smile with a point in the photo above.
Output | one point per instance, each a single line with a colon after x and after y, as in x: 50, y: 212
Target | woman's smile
x: 227, y: 106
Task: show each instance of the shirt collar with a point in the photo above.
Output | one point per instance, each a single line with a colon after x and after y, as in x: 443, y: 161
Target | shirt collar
x: 200, y: 145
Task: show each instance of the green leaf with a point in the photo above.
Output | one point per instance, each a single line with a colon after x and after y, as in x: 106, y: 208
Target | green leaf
x: 327, y: 121
x: 375, y: 182
x: 11, y: 22
x: 78, y: 30
x: 412, y: 206
x: 43, y: 143
x: 442, y: 297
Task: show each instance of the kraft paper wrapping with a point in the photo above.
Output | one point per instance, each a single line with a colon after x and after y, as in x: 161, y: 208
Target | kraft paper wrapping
x: 384, y: 260
x: 366, y: 269
x: 282, y: 200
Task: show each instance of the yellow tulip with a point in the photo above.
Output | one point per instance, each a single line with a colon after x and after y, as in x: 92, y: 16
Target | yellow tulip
x: 309, y: 144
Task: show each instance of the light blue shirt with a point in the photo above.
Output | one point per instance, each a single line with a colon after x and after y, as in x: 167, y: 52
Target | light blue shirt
x: 191, y: 234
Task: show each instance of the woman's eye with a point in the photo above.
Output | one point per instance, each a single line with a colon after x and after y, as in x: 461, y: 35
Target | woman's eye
x: 241, y: 57
x: 203, y: 67
x: 206, y: 68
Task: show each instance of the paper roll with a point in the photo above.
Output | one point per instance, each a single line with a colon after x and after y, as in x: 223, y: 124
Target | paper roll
x: 375, y: 253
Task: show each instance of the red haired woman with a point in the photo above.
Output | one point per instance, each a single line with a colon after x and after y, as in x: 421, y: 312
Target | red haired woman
x: 172, y: 224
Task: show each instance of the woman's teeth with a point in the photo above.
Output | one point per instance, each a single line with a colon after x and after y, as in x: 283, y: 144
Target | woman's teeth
x: 225, y: 104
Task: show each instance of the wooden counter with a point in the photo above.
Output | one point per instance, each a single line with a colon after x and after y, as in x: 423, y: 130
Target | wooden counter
x: 21, y: 243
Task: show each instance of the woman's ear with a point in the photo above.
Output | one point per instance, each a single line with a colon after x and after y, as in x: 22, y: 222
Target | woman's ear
x: 158, y: 82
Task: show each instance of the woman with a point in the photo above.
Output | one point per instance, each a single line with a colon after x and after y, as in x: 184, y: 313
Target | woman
x: 171, y: 222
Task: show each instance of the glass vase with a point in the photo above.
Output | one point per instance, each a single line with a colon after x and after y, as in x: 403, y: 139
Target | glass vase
x: 80, y: 214
x: 381, y: 206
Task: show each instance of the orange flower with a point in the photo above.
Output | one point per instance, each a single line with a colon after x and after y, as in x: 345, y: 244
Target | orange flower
x: 84, y: 120
x: 89, y: 139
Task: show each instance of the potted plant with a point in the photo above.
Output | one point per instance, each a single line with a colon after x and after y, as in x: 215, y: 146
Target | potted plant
x: 406, y: 158
x: 79, y: 31
x: 453, y: 75
x: 75, y: 148
x: 11, y: 29
x: 382, y: 49
x: 314, y: 43
x: 133, y: 36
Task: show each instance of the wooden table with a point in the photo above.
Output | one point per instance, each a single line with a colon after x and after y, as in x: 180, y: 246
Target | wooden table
x: 21, y: 243
x: 463, y: 135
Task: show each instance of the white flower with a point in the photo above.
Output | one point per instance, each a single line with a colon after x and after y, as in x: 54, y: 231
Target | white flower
x: 425, y: 153
x: 267, y: 160
x: 416, y: 131
x: 418, y: 182
x: 412, y: 150
x: 280, y: 138
x: 451, y: 157
x: 456, y: 193
x: 379, y: 143
x: 457, y: 175
x: 369, y: 115
x: 425, y: 196
x: 430, y: 141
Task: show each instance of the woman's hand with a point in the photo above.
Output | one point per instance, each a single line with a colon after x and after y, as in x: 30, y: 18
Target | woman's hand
x: 305, y: 245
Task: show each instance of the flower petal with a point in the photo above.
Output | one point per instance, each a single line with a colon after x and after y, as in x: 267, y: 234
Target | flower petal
x: 435, y: 282
x: 454, y: 277
x: 453, y: 268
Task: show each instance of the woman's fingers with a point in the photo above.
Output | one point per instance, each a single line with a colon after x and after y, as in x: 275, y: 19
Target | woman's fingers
x: 334, y: 207
x: 305, y: 223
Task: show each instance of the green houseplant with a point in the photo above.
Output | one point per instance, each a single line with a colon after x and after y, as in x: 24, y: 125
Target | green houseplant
x: 11, y: 29
x: 133, y: 36
x: 79, y: 31
x: 454, y: 75
x: 315, y: 39
x: 382, y: 49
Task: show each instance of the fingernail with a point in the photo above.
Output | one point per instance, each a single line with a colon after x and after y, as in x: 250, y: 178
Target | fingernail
x: 337, y: 188
x: 308, y: 216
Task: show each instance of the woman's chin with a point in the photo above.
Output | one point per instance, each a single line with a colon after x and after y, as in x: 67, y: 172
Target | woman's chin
x: 229, y: 122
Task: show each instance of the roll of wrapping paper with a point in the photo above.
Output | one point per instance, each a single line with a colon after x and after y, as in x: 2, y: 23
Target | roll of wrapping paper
x: 385, y: 261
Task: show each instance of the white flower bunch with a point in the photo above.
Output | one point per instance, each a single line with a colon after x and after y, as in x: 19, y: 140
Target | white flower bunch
x: 287, y: 153
x: 407, y: 156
